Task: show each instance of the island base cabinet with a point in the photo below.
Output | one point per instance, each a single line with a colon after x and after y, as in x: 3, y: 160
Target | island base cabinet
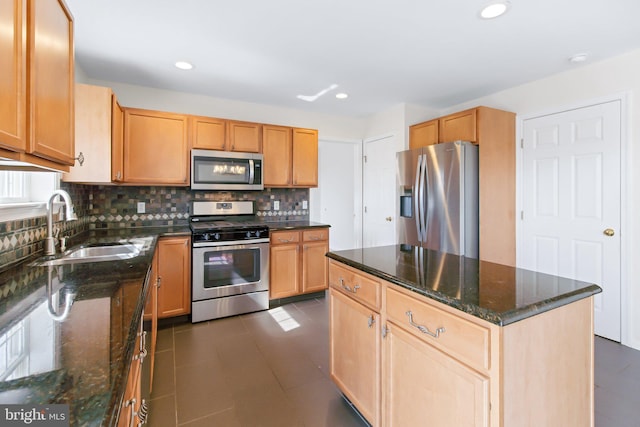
x: 424, y: 386
x: 354, y: 357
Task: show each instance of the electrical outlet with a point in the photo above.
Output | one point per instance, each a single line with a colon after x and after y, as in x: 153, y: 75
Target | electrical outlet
x: 276, y: 205
x: 305, y: 205
x: 141, y: 207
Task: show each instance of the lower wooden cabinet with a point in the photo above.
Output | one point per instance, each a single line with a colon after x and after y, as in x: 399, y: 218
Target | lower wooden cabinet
x: 174, y: 276
x: 354, y: 357
x: 132, y: 401
x: 423, y: 383
x: 297, y: 263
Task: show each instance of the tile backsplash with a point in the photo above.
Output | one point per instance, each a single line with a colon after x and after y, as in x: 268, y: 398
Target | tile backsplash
x: 100, y: 207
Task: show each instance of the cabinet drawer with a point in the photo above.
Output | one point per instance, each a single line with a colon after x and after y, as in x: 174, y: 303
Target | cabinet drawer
x: 357, y: 286
x: 284, y: 237
x: 313, y: 235
x: 463, y: 340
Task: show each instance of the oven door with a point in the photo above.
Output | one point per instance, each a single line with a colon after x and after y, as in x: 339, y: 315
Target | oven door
x: 225, y: 270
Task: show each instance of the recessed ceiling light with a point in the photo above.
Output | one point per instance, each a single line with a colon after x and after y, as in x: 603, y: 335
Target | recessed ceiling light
x: 341, y: 95
x: 183, y: 65
x: 495, y: 9
x: 578, y: 58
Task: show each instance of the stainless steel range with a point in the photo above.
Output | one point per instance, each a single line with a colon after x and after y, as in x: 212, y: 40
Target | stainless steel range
x: 230, y: 260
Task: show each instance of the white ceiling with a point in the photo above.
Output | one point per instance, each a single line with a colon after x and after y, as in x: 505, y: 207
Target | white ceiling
x: 435, y: 53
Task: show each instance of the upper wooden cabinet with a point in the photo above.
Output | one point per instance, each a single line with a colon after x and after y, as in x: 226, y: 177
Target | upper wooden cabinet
x: 459, y: 126
x: 244, y: 136
x: 277, y: 151
x: 38, y: 128
x: 13, y: 75
x: 208, y: 133
x: 290, y: 157
x: 423, y: 134
x: 225, y: 135
x: 117, y: 140
x: 98, y: 130
x: 305, y: 158
x: 156, y: 148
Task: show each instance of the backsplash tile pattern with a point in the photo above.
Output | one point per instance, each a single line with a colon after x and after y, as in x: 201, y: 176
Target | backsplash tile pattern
x: 24, y: 239
x: 116, y: 207
x: 100, y: 207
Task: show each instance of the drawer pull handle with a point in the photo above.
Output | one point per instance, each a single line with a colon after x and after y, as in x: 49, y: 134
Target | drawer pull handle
x: 281, y: 240
x: 370, y: 321
x: 349, y: 288
x: 424, y: 329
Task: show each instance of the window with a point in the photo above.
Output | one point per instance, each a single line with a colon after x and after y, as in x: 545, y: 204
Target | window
x: 24, y: 194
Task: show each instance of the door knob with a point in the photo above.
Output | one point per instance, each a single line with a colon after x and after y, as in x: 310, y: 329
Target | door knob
x: 609, y: 232
x: 388, y: 218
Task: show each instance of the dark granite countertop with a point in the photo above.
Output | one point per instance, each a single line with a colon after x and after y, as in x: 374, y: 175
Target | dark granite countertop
x: 496, y: 293
x: 293, y: 225
x: 81, y: 359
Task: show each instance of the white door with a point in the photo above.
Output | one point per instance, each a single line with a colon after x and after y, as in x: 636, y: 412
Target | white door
x: 338, y: 199
x: 571, y: 201
x: 379, y: 184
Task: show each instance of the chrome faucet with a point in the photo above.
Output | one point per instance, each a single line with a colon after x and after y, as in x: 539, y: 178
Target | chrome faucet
x: 70, y: 215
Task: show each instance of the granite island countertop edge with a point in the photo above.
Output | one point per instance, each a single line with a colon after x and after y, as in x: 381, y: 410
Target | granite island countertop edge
x: 500, y: 319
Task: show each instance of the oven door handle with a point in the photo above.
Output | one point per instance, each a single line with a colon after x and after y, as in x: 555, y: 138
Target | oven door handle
x: 231, y: 243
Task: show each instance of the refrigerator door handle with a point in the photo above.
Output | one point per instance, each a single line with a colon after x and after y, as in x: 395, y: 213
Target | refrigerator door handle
x: 423, y: 210
x: 417, y: 198
x: 426, y: 194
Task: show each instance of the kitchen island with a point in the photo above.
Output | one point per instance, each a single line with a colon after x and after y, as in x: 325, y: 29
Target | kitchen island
x: 420, y: 337
x: 80, y: 355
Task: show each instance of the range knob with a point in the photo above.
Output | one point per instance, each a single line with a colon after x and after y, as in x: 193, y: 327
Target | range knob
x: 206, y: 236
x: 216, y: 236
x: 257, y: 233
x: 248, y: 234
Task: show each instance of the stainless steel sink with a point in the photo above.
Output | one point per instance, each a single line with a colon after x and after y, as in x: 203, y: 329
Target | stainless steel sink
x: 97, y: 252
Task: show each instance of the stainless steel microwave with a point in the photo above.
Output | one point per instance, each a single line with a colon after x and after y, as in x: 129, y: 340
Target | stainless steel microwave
x: 225, y: 170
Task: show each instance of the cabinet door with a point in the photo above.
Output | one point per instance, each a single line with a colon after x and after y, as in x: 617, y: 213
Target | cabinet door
x: 354, y: 354
x: 13, y: 75
x: 276, y: 149
x: 314, y: 266
x: 284, y: 274
x: 208, y: 133
x: 51, y: 82
x: 245, y: 137
x: 117, y: 140
x: 156, y: 149
x: 423, y: 134
x: 93, y: 135
x: 151, y: 314
x: 305, y: 158
x: 459, y: 127
x: 450, y: 394
x: 174, y: 276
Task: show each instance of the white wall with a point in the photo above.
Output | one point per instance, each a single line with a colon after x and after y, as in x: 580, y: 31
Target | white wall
x: 329, y: 127
x: 590, y: 82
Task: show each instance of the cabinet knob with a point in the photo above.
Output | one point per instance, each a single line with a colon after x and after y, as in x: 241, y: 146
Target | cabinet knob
x: 388, y: 219
x: 609, y: 232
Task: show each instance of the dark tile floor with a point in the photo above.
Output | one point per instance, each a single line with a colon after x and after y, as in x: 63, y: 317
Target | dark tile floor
x: 271, y: 369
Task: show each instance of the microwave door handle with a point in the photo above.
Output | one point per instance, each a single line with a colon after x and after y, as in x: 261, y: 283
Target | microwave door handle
x: 251, y: 171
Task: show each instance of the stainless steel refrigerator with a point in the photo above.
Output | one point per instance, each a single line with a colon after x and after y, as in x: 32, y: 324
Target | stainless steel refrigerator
x: 438, y: 198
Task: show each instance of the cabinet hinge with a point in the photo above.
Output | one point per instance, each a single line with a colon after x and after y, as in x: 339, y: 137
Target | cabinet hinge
x: 365, y: 209
x: 521, y: 215
x: 521, y: 142
x: 365, y: 159
x: 385, y: 330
